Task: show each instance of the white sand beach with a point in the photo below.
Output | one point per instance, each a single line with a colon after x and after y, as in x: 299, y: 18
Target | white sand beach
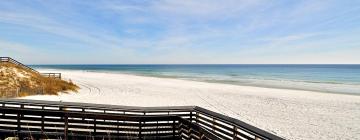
x: 292, y: 114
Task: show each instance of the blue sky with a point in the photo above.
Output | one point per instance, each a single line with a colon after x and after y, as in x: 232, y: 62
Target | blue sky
x: 180, y: 31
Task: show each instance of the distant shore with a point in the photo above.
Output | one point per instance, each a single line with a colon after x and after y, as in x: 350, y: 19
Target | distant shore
x: 293, y: 114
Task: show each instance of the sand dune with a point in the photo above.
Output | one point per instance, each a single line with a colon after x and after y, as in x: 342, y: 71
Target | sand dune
x: 292, y: 114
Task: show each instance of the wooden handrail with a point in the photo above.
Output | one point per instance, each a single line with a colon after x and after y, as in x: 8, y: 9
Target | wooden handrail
x: 236, y: 124
x: 10, y: 60
x: 210, y: 123
x: 52, y: 75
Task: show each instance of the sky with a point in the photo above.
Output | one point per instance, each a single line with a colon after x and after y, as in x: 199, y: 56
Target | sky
x: 181, y: 31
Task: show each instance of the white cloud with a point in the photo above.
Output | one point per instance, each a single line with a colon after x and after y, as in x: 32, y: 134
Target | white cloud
x: 11, y: 47
x: 204, y: 9
x: 21, y: 52
x: 49, y: 25
x: 176, y: 27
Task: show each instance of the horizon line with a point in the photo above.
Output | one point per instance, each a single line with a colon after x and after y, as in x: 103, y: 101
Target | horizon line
x: 206, y: 64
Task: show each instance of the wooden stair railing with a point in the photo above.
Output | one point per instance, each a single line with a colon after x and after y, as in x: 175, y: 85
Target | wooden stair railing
x: 10, y: 60
x: 13, y: 61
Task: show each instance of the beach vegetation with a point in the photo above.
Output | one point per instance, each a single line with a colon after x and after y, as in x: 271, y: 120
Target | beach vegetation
x: 16, y: 81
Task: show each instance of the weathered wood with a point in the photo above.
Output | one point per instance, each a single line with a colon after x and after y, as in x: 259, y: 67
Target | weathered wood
x: 66, y: 128
x: 52, y: 75
x: 69, y: 120
x: 10, y: 60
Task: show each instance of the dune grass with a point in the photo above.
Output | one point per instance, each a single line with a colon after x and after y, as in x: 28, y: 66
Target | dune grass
x: 16, y: 81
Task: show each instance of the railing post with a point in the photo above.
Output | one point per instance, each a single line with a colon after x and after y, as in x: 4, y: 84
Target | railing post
x: 157, y: 127
x: 83, y: 111
x: 191, y: 116
x: 140, y: 130
x: 19, y: 114
x: 190, y: 131
x: 117, y: 126
x: 42, y: 120
x: 3, y: 105
x: 18, y: 122
x: 234, y: 133
x: 61, y: 109
x: 196, y: 118
x: 66, y: 127
x: 94, y: 127
x: 104, y: 113
x: 213, y: 124
x: 22, y: 107
x: 174, y: 128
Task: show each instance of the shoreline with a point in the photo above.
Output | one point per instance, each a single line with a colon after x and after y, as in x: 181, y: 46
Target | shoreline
x: 293, y: 114
x: 215, y: 81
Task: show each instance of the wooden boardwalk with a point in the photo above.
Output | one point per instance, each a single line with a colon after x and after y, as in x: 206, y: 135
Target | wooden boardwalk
x: 66, y: 120
x: 13, y: 61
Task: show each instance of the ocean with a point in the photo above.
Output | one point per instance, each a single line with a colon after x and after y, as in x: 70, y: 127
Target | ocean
x: 343, y: 79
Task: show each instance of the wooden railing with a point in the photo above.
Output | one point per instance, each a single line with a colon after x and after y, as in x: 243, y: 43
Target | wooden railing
x: 52, y: 75
x: 65, y: 120
x: 10, y: 60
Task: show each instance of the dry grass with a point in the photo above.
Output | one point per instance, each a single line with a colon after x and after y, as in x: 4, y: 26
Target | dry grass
x: 53, y: 86
x: 16, y: 81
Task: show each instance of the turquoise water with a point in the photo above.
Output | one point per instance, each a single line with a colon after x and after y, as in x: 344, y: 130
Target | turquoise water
x: 326, y: 78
